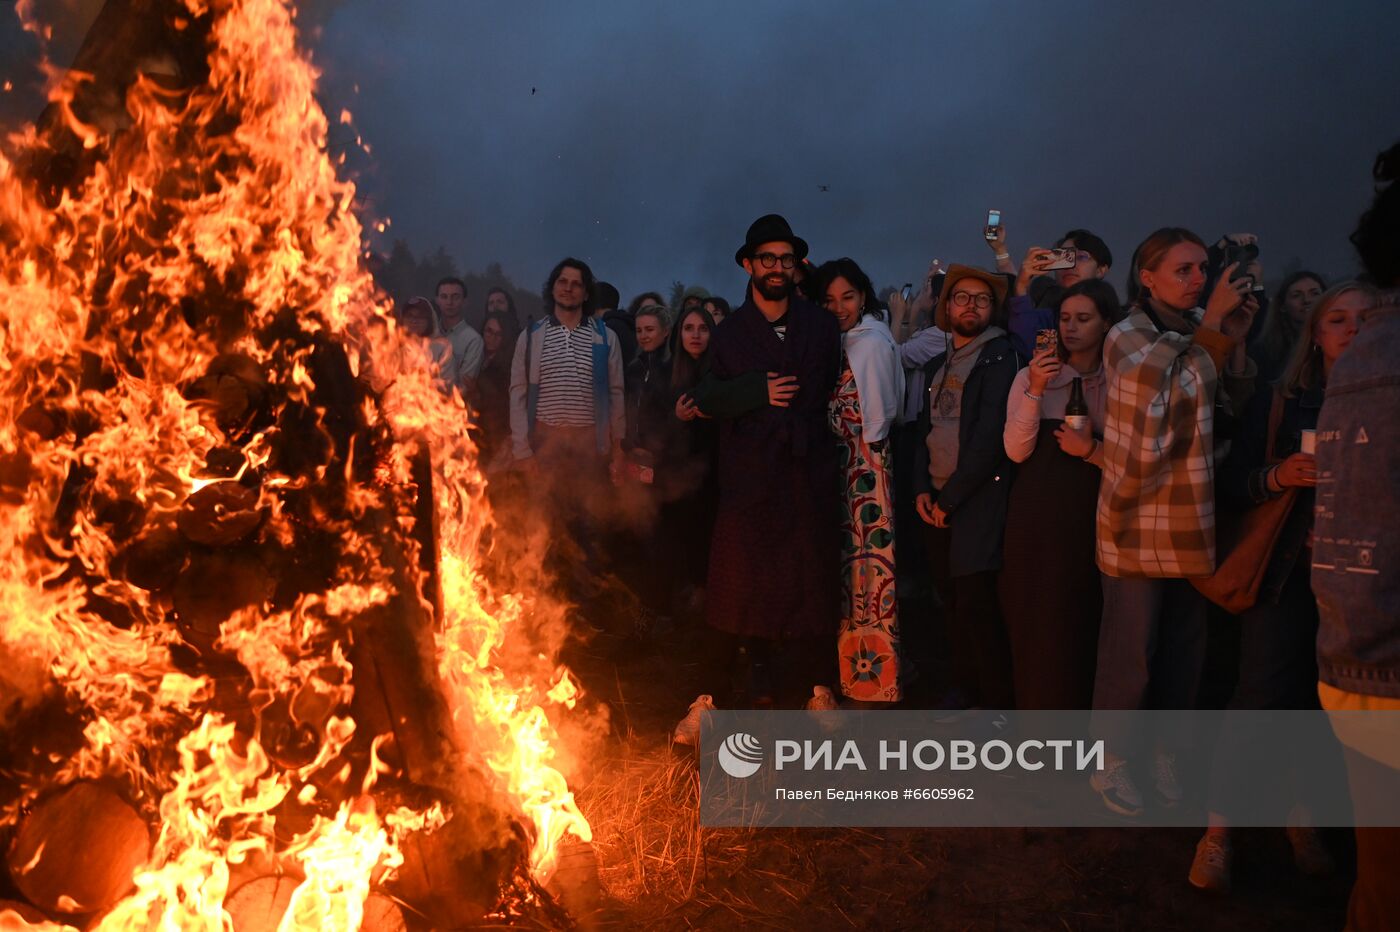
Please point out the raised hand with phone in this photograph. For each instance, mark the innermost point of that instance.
(910, 310)
(1226, 309)
(994, 232)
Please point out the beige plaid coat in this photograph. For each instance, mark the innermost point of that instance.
(1156, 514)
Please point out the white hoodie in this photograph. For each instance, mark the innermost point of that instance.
(879, 375)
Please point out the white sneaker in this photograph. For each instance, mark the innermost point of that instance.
(1210, 868)
(1164, 779)
(688, 729)
(822, 700)
(1120, 793)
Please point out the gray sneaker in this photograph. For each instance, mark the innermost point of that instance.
(1118, 789)
(687, 730)
(1210, 868)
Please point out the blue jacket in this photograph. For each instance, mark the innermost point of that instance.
(1356, 549)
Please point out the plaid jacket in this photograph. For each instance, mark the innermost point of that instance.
(1156, 514)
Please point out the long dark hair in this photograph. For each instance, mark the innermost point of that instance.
(685, 369)
(1104, 296)
(718, 302)
(1101, 293)
(847, 268)
(590, 284)
(1277, 336)
(510, 332)
(1149, 255)
(510, 302)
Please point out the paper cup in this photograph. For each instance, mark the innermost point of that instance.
(1309, 441)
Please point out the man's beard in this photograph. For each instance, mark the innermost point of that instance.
(971, 329)
(772, 292)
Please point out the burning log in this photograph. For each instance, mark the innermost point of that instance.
(154, 560)
(220, 514)
(194, 454)
(78, 849)
(214, 586)
(260, 904)
(13, 909)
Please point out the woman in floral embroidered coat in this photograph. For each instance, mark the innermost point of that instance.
(862, 412)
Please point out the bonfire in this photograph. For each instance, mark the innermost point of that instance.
(255, 671)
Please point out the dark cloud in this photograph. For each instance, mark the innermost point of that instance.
(657, 132)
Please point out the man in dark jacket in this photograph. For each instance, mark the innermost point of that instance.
(774, 570)
(963, 478)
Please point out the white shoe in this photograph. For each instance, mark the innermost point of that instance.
(822, 700)
(1118, 789)
(1164, 779)
(688, 729)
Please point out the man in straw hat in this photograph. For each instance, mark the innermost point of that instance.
(962, 478)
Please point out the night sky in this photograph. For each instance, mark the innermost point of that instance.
(645, 137)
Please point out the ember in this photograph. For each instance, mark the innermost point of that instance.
(227, 619)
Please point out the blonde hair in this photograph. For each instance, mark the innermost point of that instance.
(662, 315)
(1304, 369)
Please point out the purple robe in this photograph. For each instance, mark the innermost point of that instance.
(775, 554)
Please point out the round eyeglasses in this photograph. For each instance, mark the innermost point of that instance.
(768, 260)
(964, 298)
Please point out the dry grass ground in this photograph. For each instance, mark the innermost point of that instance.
(660, 869)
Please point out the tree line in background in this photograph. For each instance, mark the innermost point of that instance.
(403, 275)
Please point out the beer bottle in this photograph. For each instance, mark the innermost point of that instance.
(1077, 410)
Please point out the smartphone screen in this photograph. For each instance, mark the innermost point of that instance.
(993, 224)
(907, 290)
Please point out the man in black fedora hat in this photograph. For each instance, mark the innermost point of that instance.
(774, 571)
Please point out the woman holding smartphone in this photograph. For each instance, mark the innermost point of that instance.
(1049, 585)
(1175, 373)
(1278, 636)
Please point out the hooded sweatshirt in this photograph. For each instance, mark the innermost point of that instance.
(945, 405)
(874, 360)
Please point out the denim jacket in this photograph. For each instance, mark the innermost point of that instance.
(1356, 551)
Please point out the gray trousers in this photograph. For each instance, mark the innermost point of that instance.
(1152, 652)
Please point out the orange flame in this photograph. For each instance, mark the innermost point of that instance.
(224, 189)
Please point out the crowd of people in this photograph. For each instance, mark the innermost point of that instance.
(1059, 463)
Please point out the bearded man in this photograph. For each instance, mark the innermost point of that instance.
(774, 564)
(963, 479)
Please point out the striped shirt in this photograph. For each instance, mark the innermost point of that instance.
(566, 376)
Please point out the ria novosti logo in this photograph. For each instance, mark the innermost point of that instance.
(740, 755)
